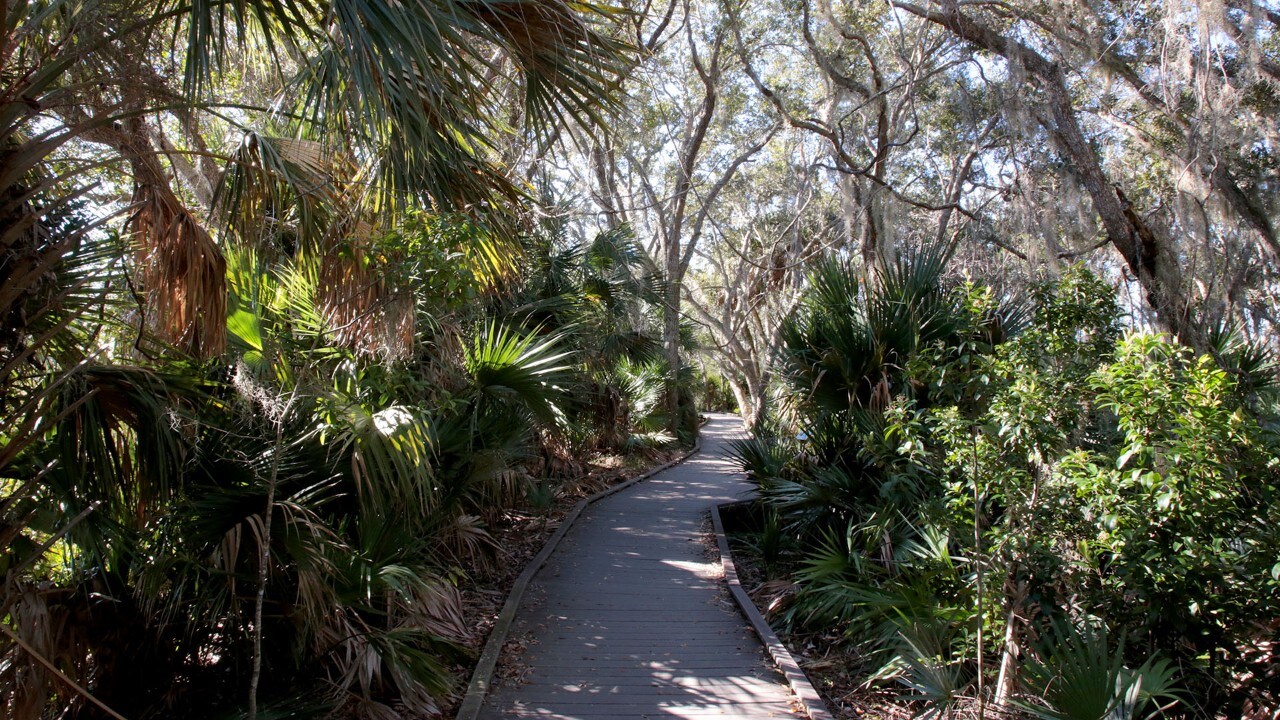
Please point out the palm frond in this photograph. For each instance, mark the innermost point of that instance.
(1254, 366)
(390, 456)
(933, 677)
(1081, 675)
(412, 81)
(282, 193)
(642, 386)
(526, 371)
(181, 269)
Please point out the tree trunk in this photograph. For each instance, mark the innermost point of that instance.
(1007, 678)
(747, 386)
(745, 407)
(671, 335)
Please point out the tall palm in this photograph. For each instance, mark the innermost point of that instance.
(400, 105)
(397, 104)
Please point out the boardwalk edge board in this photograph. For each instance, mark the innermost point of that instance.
(478, 688)
(808, 696)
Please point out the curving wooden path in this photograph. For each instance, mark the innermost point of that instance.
(628, 618)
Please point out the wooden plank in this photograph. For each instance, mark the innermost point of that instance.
(632, 620)
(808, 696)
(650, 651)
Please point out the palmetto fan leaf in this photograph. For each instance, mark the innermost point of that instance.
(1254, 366)
(826, 343)
(490, 255)
(526, 371)
(389, 454)
(928, 669)
(847, 343)
(641, 384)
(281, 189)
(1082, 676)
(118, 430)
(910, 307)
(565, 61)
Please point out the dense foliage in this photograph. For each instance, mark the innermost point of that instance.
(303, 506)
(291, 314)
(1014, 501)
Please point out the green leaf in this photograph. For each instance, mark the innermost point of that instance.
(243, 328)
(1126, 455)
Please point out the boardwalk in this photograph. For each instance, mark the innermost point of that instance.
(628, 619)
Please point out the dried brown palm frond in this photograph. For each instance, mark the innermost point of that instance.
(493, 483)
(181, 271)
(363, 313)
(465, 538)
(26, 684)
(316, 600)
(441, 357)
(583, 484)
(308, 154)
(561, 459)
(436, 606)
(385, 673)
(46, 626)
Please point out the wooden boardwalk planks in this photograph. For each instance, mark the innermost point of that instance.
(628, 619)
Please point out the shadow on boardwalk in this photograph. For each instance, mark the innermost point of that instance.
(628, 619)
